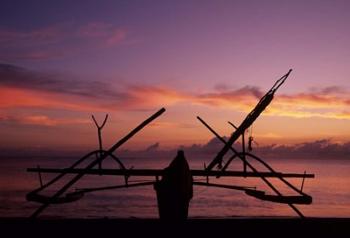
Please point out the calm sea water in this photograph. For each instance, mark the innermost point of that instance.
(330, 190)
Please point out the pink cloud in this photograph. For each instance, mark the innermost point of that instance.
(36, 89)
(116, 37)
(136, 98)
(45, 35)
(95, 29)
(107, 34)
(58, 40)
(42, 120)
(37, 55)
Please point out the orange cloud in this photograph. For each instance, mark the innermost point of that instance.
(326, 104)
(310, 100)
(23, 88)
(150, 96)
(43, 120)
(170, 125)
(299, 105)
(16, 97)
(241, 99)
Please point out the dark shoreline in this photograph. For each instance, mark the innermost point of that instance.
(235, 227)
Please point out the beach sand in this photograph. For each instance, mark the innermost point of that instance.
(236, 227)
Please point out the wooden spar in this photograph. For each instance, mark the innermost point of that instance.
(242, 188)
(95, 162)
(41, 180)
(160, 172)
(137, 129)
(303, 199)
(70, 197)
(300, 199)
(248, 121)
(88, 190)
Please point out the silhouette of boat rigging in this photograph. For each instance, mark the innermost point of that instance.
(168, 180)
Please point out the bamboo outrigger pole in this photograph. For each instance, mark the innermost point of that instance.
(160, 172)
(97, 161)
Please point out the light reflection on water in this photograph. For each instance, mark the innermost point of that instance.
(330, 190)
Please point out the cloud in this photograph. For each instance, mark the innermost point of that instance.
(323, 149)
(38, 44)
(45, 35)
(151, 96)
(330, 102)
(58, 40)
(37, 89)
(42, 120)
(167, 125)
(34, 55)
(106, 33)
(318, 149)
(22, 98)
(153, 147)
(329, 90)
(17, 77)
(40, 89)
(48, 90)
(241, 98)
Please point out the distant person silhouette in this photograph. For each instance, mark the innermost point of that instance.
(175, 190)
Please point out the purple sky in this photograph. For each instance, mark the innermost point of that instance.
(189, 42)
(176, 52)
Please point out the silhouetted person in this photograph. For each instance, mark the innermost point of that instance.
(175, 189)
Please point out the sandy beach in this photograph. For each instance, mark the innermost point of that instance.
(237, 227)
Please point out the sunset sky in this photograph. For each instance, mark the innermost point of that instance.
(62, 61)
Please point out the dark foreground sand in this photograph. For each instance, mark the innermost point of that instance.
(237, 227)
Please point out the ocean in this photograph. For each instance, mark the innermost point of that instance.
(330, 190)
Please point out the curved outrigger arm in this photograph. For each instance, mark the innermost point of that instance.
(303, 199)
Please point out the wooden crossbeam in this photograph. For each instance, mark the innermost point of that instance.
(160, 172)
